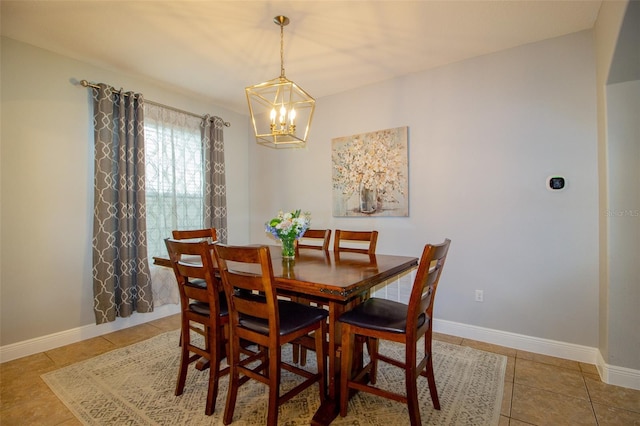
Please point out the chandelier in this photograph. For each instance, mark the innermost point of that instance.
(281, 111)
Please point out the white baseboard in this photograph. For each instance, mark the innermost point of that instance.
(612, 375)
(55, 340)
(619, 376)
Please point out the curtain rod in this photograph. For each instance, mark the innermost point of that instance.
(85, 83)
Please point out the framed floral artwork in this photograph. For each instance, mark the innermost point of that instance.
(370, 174)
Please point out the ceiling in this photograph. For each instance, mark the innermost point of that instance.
(217, 48)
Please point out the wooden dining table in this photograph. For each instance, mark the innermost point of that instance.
(337, 281)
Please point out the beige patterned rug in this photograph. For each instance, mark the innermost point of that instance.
(135, 385)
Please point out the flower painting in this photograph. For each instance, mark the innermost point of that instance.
(370, 174)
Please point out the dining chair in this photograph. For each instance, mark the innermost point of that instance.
(352, 241)
(344, 241)
(312, 239)
(376, 319)
(208, 234)
(319, 239)
(267, 321)
(204, 311)
(205, 234)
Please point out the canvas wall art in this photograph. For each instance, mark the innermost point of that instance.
(371, 174)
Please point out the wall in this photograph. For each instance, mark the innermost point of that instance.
(623, 216)
(47, 188)
(484, 134)
(617, 35)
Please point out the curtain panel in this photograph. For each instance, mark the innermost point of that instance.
(121, 277)
(215, 192)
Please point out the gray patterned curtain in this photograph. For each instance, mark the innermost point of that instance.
(121, 278)
(215, 192)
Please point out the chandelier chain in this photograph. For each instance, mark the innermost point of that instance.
(281, 50)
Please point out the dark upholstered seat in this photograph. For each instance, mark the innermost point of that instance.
(376, 319)
(293, 317)
(380, 314)
(202, 311)
(257, 315)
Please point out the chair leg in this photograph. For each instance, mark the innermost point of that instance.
(295, 350)
(372, 347)
(184, 362)
(274, 386)
(432, 384)
(412, 397)
(321, 361)
(348, 341)
(214, 372)
(303, 356)
(234, 381)
(431, 379)
(411, 376)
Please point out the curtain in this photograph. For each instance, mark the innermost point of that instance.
(121, 277)
(185, 183)
(215, 193)
(175, 180)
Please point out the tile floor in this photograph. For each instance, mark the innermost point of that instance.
(539, 390)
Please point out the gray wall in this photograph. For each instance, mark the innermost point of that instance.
(623, 217)
(617, 36)
(484, 134)
(47, 186)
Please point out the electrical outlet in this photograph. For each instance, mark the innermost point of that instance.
(479, 296)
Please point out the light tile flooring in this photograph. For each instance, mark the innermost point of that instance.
(539, 390)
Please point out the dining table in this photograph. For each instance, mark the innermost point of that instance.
(337, 281)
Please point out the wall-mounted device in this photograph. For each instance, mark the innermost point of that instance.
(556, 183)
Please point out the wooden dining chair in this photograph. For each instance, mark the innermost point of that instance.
(344, 241)
(312, 239)
(268, 322)
(208, 234)
(353, 241)
(376, 319)
(203, 310)
(315, 239)
(205, 234)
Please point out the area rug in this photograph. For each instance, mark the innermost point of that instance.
(135, 386)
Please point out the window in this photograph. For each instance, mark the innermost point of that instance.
(174, 174)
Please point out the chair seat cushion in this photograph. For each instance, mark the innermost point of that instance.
(202, 308)
(293, 317)
(380, 314)
(197, 283)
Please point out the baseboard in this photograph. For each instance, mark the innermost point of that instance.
(619, 376)
(612, 375)
(74, 335)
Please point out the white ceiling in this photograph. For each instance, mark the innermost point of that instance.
(217, 48)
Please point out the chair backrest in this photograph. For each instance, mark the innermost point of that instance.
(196, 234)
(425, 284)
(194, 273)
(322, 236)
(358, 237)
(254, 274)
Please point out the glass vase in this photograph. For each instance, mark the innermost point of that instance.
(288, 248)
(368, 199)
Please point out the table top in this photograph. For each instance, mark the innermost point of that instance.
(336, 276)
(329, 275)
